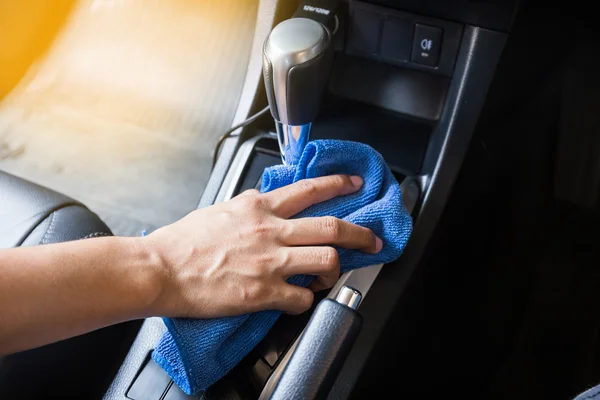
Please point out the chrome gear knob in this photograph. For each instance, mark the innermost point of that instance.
(297, 59)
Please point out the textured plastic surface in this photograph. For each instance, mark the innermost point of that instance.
(147, 337)
(150, 384)
(320, 353)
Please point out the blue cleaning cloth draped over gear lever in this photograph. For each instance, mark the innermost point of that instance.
(198, 352)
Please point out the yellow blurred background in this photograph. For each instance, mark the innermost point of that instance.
(119, 103)
(27, 29)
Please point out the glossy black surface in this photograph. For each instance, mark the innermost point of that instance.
(480, 52)
(386, 35)
(401, 141)
(498, 15)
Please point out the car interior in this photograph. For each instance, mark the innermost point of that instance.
(118, 117)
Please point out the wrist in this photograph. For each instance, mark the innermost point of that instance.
(149, 275)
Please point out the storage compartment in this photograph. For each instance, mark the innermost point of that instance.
(400, 139)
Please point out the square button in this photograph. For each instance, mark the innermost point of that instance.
(427, 44)
(396, 39)
(364, 36)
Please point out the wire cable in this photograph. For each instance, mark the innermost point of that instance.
(336, 26)
(227, 134)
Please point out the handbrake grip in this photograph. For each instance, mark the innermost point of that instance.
(322, 348)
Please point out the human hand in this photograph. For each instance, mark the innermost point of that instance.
(234, 257)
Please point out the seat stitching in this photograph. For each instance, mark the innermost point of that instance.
(95, 235)
(50, 228)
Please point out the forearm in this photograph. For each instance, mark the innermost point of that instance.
(51, 292)
(229, 259)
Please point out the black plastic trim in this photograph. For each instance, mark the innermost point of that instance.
(321, 350)
(480, 52)
(305, 86)
(450, 43)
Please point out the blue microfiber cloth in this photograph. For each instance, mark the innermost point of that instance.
(198, 352)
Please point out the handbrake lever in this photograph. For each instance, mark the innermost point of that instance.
(312, 364)
(318, 357)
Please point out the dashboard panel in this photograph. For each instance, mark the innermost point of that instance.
(490, 14)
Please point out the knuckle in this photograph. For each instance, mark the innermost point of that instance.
(308, 187)
(260, 228)
(341, 180)
(332, 228)
(258, 225)
(330, 259)
(285, 259)
(253, 202)
(370, 237)
(287, 230)
(366, 235)
(245, 293)
(253, 292)
(266, 258)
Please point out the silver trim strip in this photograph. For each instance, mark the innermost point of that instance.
(292, 141)
(349, 297)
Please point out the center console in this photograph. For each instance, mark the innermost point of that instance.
(408, 78)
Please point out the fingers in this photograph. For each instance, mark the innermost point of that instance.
(290, 200)
(323, 262)
(317, 286)
(294, 299)
(331, 231)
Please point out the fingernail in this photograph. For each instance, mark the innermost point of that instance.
(357, 181)
(378, 244)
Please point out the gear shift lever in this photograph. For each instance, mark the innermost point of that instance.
(297, 58)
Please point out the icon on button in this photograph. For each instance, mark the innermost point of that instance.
(426, 44)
